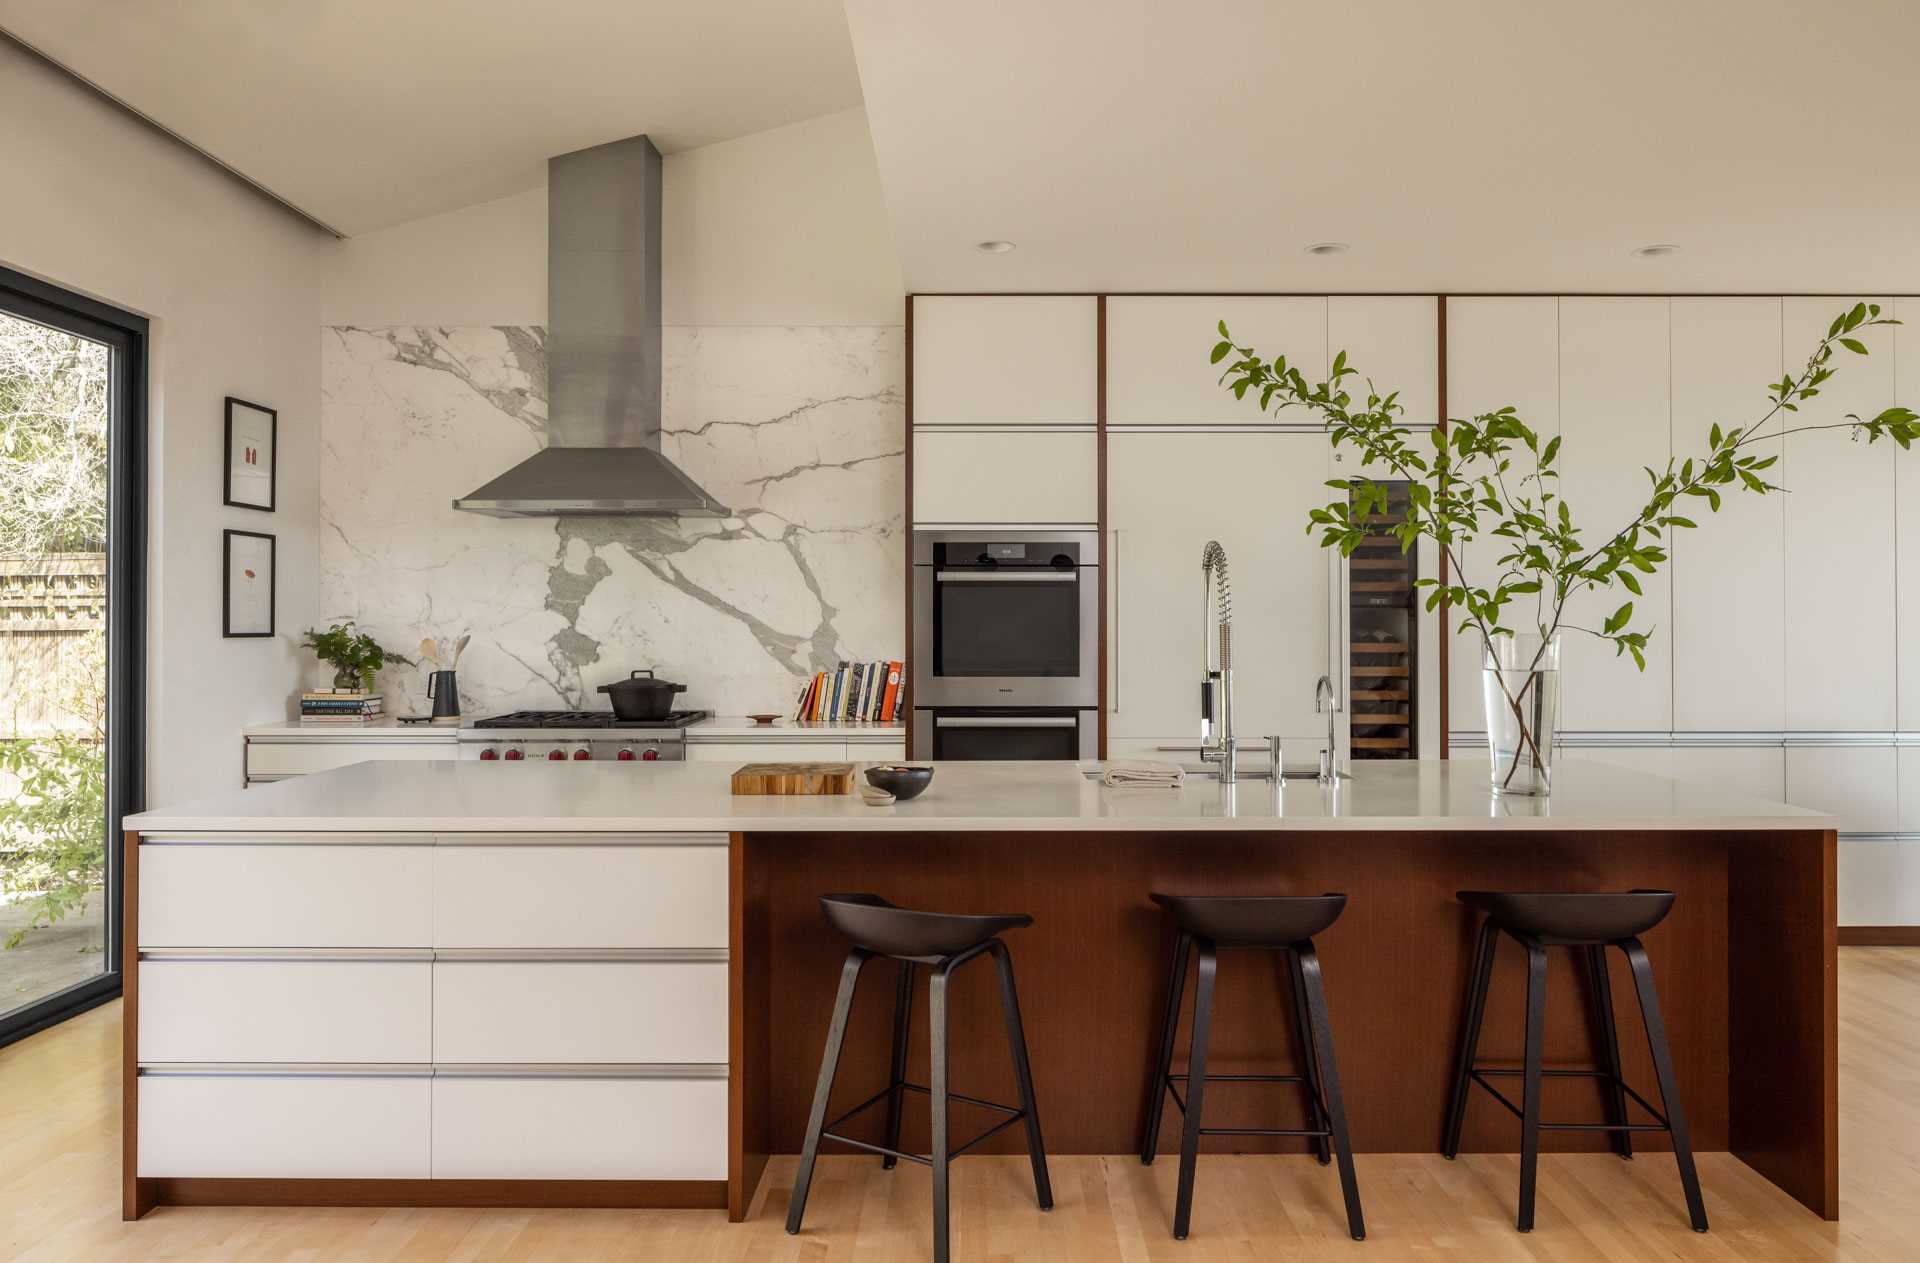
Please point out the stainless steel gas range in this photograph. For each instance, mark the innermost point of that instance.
(577, 736)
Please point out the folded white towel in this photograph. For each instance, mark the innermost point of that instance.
(1144, 772)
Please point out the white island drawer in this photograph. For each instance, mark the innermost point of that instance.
(205, 893)
(580, 1011)
(628, 893)
(542, 1128)
(286, 1010)
(286, 1126)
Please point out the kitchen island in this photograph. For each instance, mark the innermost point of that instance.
(451, 983)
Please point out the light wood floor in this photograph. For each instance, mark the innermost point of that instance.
(59, 1191)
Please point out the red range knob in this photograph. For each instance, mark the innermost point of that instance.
(651, 755)
(556, 756)
(581, 754)
(514, 755)
(489, 753)
(625, 756)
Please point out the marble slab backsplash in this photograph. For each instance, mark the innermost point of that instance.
(799, 430)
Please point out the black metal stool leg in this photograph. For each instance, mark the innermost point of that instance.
(1163, 1066)
(1609, 1039)
(1470, 1037)
(1309, 1058)
(1307, 962)
(1196, 1088)
(1663, 1072)
(937, 1041)
(902, 1026)
(1530, 1101)
(1023, 1071)
(823, 1091)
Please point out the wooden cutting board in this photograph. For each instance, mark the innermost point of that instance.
(794, 778)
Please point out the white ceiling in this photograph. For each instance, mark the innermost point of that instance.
(366, 113)
(1501, 144)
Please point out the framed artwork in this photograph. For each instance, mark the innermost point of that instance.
(253, 455)
(246, 585)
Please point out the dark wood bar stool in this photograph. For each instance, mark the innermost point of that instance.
(1283, 924)
(1588, 923)
(943, 943)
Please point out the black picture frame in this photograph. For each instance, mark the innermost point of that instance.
(226, 584)
(273, 465)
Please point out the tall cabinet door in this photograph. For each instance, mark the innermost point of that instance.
(1500, 351)
(1615, 410)
(1729, 666)
(1839, 571)
(1167, 495)
(1906, 370)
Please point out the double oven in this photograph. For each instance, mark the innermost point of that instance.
(1006, 629)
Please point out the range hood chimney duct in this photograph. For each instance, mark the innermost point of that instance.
(603, 350)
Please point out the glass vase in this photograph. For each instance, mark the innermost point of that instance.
(1520, 683)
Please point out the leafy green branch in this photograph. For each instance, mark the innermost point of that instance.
(1493, 477)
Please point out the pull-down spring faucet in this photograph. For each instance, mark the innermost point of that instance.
(1216, 685)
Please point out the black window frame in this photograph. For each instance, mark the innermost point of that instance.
(33, 299)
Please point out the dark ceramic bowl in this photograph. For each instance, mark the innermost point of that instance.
(901, 780)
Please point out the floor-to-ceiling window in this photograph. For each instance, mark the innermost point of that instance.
(72, 540)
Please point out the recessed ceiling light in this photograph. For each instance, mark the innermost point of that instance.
(1328, 247)
(993, 247)
(1658, 250)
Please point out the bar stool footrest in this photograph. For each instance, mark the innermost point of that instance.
(1013, 1116)
(1479, 1075)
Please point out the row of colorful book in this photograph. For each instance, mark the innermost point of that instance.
(851, 692)
(339, 706)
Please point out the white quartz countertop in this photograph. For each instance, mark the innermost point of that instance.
(1427, 795)
(719, 726)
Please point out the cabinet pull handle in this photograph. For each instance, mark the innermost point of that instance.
(1116, 620)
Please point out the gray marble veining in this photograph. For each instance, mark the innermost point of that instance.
(800, 430)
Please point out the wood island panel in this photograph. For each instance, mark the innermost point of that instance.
(1745, 966)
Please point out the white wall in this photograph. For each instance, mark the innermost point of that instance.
(783, 381)
(781, 228)
(102, 204)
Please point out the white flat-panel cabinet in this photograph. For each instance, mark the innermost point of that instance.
(1159, 368)
(555, 1128)
(1840, 516)
(286, 1126)
(738, 752)
(1006, 358)
(203, 892)
(581, 1011)
(1858, 784)
(621, 893)
(965, 477)
(1167, 495)
(1757, 771)
(1729, 667)
(1614, 407)
(1906, 374)
(1394, 341)
(268, 1010)
(270, 758)
(1500, 352)
(1879, 881)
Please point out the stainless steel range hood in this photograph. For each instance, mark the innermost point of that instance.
(603, 350)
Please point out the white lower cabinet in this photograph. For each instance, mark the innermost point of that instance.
(625, 892)
(271, 759)
(518, 1127)
(738, 752)
(203, 891)
(285, 1010)
(1879, 881)
(576, 1012)
(286, 1126)
(1858, 784)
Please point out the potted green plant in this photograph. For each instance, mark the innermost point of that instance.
(1494, 477)
(356, 657)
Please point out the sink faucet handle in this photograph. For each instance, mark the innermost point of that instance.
(1323, 698)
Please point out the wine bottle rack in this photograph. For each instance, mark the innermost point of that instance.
(1383, 652)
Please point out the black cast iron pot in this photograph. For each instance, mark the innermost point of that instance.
(640, 696)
